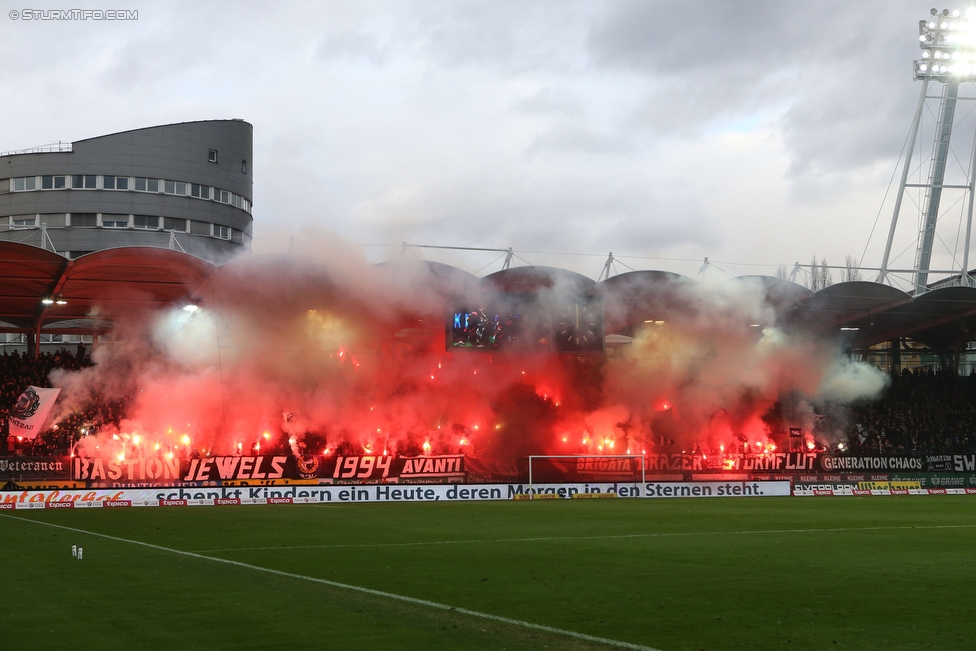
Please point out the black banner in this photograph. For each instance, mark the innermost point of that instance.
(34, 468)
(359, 469)
(260, 469)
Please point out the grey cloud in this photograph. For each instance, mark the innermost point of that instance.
(550, 101)
(353, 45)
(580, 139)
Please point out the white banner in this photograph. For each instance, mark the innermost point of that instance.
(315, 494)
(28, 415)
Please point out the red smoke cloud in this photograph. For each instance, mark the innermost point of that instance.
(333, 353)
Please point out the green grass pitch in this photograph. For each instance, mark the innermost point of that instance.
(770, 573)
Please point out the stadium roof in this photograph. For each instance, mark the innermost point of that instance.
(83, 295)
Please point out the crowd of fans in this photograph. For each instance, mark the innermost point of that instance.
(17, 372)
(920, 413)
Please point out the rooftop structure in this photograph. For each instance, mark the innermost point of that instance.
(185, 186)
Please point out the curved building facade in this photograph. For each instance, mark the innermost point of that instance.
(185, 186)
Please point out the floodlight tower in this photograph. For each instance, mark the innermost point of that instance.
(948, 44)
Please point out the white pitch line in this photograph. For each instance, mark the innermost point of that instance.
(356, 588)
(570, 538)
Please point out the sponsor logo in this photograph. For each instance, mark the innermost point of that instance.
(821, 491)
(227, 501)
(889, 485)
(5, 506)
(116, 504)
(59, 505)
(172, 502)
(280, 500)
(858, 491)
(949, 481)
(899, 491)
(937, 491)
(834, 488)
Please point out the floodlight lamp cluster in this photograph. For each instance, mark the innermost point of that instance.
(948, 44)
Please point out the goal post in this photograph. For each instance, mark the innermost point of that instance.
(598, 460)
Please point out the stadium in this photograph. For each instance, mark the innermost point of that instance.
(415, 456)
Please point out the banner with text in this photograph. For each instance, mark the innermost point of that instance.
(232, 496)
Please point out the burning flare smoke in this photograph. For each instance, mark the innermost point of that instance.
(337, 354)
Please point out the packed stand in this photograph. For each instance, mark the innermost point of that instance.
(921, 413)
(17, 372)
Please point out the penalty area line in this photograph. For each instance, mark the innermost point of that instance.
(346, 586)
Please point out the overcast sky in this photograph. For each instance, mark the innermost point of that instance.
(755, 133)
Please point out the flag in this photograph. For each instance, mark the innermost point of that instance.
(28, 415)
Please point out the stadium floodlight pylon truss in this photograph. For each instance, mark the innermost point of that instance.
(947, 41)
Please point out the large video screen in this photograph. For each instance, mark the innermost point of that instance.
(483, 328)
(570, 325)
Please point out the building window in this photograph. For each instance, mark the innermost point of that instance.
(200, 191)
(83, 220)
(108, 182)
(148, 222)
(180, 188)
(115, 221)
(171, 224)
(221, 232)
(244, 165)
(52, 182)
(212, 155)
(147, 185)
(23, 221)
(25, 183)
